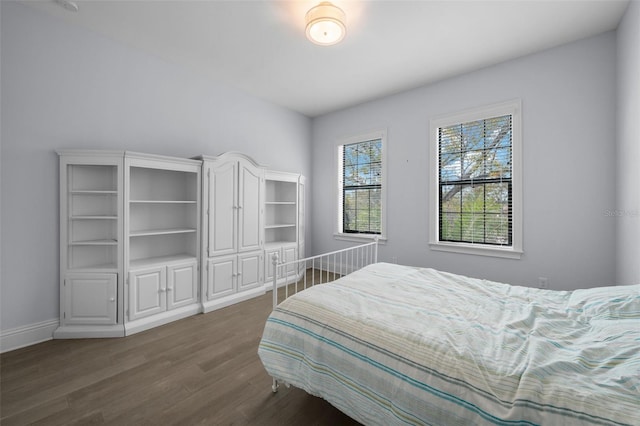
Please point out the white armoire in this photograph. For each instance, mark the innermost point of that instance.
(233, 226)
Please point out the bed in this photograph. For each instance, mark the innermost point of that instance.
(390, 344)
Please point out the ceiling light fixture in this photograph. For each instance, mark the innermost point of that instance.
(325, 24)
(71, 6)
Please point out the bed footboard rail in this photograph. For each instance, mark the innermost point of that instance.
(294, 276)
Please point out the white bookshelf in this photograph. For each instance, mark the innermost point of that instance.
(91, 244)
(162, 239)
(281, 209)
(92, 232)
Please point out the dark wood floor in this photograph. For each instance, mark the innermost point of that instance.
(201, 370)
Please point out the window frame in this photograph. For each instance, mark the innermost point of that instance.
(513, 108)
(338, 174)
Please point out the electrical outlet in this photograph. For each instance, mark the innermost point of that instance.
(394, 259)
(543, 282)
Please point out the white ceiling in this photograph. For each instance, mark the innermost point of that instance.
(391, 46)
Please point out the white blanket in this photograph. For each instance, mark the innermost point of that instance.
(391, 344)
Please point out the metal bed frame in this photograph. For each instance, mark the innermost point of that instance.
(298, 275)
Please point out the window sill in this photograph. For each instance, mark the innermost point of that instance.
(361, 238)
(477, 249)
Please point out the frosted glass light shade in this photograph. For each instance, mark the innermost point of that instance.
(325, 24)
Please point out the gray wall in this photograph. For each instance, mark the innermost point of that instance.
(627, 216)
(66, 87)
(568, 101)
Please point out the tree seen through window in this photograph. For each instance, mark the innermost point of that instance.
(475, 181)
(362, 187)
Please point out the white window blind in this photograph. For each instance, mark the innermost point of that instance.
(475, 170)
(475, 165)
(362, 187)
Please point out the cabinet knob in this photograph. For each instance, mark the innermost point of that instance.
(162, 290)
(113, 299)
(169, 289)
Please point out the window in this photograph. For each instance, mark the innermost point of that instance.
(476, 190)
(361, 186)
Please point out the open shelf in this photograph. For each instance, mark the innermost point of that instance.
(163, 231)
(160, 260)
(162, 213)
(92, 256)
(277, 191)
(92, 215)
(281, 211)
(145, 247)
(159, 217)
(92, 192)
(162, 185)
(276, 244)
(163, 202)
(283, 225)
(90, 178)
(280, 233)
(93, 228)
(94, 243)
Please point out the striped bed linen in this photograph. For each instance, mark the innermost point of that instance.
(392, 344)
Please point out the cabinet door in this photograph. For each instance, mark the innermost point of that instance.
(290, 254)
(90, 299)
(147, 292)
(249, 270)
(250, 208)
(223, 208)
(221, 274)
(182, 285)
(268, 263)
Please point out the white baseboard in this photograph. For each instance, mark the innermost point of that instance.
(89, 331)
(27, 335)
(232, 299)
(166, 317)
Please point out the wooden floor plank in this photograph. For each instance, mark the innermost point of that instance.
(48, 407)
(200, 370)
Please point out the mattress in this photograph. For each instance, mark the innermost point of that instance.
(392, 344)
